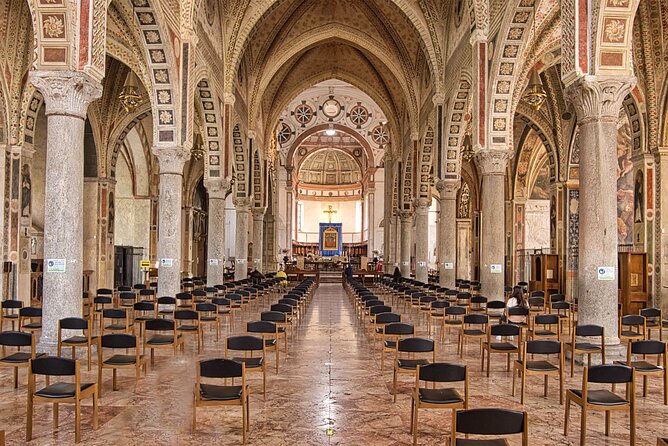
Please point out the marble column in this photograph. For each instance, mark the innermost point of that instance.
(171, 160)
(597, 101)
(67, 96)
(406, 218)
(662, 173)
(215, 268)
(258, 237)
(389, 258)
(242, 206)
(492, 163)
(422, 240)
(371, 225)
(447, 232)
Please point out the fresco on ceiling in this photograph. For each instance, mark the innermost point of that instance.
(625, 183)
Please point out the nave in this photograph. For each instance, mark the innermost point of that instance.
(329, 390)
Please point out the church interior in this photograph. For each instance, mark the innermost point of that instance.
(309, 222)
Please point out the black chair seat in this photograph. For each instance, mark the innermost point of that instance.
(115, 327)
(437, 314)
(281, 329)
(120, 360)
(251, 363)
(440, 396)
(219, 393)
(270, 342)
(601, 397)
(188, 328)
(503, 346)
(166, 311)
(10, 316)
(630, 334)
(541, 366)
(474, 332)
(544, 333)
(587, 346)
(160, 340)
(411, 364)
(76, 340)
(453, 322)
(491, 442)
(643, 366)
(380, 330)
(61, 390)
(390, 344)
(652, 324)
(32, 326)
(207, 318)
(223, 311)
(19, 357)
(143, 318)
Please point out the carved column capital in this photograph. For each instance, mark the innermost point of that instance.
(217, 188)
(242, 204)
(66, 92)
(422, 204)
(171, 159)
(599, 97)
(438, 99)
(229, 99)
(405, 216)
(258, 213)
(492, 162)
(448, 189)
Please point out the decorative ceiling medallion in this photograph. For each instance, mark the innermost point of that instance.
(303, 114)
(380, 135)
(331, 108)
(359, 115)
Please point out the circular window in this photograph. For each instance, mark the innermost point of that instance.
(331, 108)
(303, 114)
(284, 134)
(380, 135)
(359, 115)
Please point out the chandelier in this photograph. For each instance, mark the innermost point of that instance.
(129, 96)
(534, 95)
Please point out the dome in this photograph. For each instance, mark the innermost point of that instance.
(330, 167)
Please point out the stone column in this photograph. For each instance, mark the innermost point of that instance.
(422, 240)
(389, 257)
(662, 172)
(597, 101)
(492, 163)
(258, 237)
(371, 224)
(447, 232)
(215, 268)
(242, 206)
(67, 96)
(405, 255)
(171, 160)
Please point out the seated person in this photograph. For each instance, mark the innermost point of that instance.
(517, 299)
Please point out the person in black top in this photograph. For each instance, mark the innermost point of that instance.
(349, 271)
(256, 276)
(397, 274)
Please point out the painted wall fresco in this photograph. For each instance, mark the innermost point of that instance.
(625, 181)
(541, 188)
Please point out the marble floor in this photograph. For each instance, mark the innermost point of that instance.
(329, 391)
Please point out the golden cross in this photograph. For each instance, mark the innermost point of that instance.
(330, 211)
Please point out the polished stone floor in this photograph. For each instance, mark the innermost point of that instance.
(329, 383)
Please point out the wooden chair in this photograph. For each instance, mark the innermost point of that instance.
(188, 323)
(83, 340)
(250, 345)
(269, 333)
(142, 311)
(488, 422)
(30, 319)
(184, 300)
(17, 359)
(161, 333)
(59, 392)
(653, 319)
(115, 362)
(279, 319)
(437, 316)
(10, 312)
(603, 400)
(503, 346)
(392, 332)
(379, 323)
(586, 348)
(632, 327)
(208, 315)
(545, 368)
(438, 398)
(166, 305)
(405, 358)
(473, 326)
(545, 326)
(645, 368)
(127, 299)
(208, 395)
